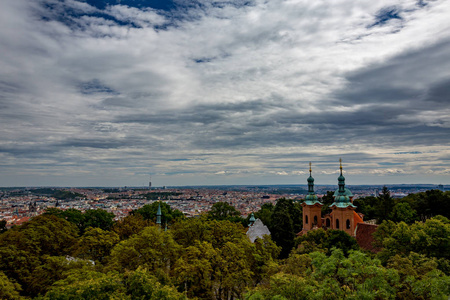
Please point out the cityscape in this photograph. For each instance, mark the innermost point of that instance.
(19, 204)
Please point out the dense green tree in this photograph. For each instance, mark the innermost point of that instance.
(9, 289)
(265, 214)
(431, 238)
(327, 200)
(385, 205)
(3, 226)
(152, 248)
(325, 241)
(95, 244)
(45, 234)
(366, 206)
(148, 212)
(139, 284)
(402, 212)
(223, 211)
(286, 223)
(91, 218)
(430, 203)
(130, 225)
(331, 277)
(98, 218)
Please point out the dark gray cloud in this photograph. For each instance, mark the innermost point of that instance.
(228, 91)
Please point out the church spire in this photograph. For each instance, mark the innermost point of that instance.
(341, 179)
(158, 214)
(311, 198)
(310, 181)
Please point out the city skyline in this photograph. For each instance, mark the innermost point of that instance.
(109, 93)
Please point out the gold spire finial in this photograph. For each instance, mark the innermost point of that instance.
(340, 164)
(310, 168)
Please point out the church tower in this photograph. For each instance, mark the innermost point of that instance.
(342, 210)
(312, 207)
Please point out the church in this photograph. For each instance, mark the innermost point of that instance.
(342, 217)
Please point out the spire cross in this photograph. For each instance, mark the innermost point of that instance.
(340, 164)
(310, 169)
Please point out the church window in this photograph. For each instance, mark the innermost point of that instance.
(337, 224)
(348, 223)
(328, 223)
(315, 219)
(306, 219)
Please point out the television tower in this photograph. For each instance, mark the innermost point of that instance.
(150, 183)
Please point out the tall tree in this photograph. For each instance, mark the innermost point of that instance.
(384, 206)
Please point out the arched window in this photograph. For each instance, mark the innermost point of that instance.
(337, 224)
(347, 223)
(328, 222)
(315, 220)
(306, 219)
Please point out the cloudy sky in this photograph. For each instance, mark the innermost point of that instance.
(107, 93)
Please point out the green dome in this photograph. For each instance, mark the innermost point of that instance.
(310, 179)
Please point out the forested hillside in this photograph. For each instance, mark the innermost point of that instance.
(74, 255)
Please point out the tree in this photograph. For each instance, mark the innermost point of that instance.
(138, 284)
(95, 244)
(152, 248)
(265, 214)
(286, 223)
(148, 212)
(367, 206)
(98, 218)
(402, 212)
(325, 241)
(223, 211)
(9, 289)
(3, 226)
(384, 206)
(130, 225)
(327, 200)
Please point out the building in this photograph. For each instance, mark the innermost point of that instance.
(342, 216)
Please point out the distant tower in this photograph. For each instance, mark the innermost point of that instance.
(312, 207)
(158, 215)
(150, 183)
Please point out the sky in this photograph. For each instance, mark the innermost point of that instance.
(111, 93)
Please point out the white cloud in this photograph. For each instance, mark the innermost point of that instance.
(234, 84)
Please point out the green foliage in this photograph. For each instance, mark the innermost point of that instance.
(223, 211)
(56, 193)
(152, 248)
(431, 238)
(384, 205)
(130, 225)
(265, 214)
(430, 203)
(402, 212)
(285, 224)
(327, 200)
(366, 206)
(95, 244)
(160, 195)
(3, 226)
(97, 218)
(139, 284)
(148, 212)
(325, 240)
(43, 234)
(9, 289)
(330, 277)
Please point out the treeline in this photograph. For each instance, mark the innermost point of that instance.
(414, 207)
(74, 255)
